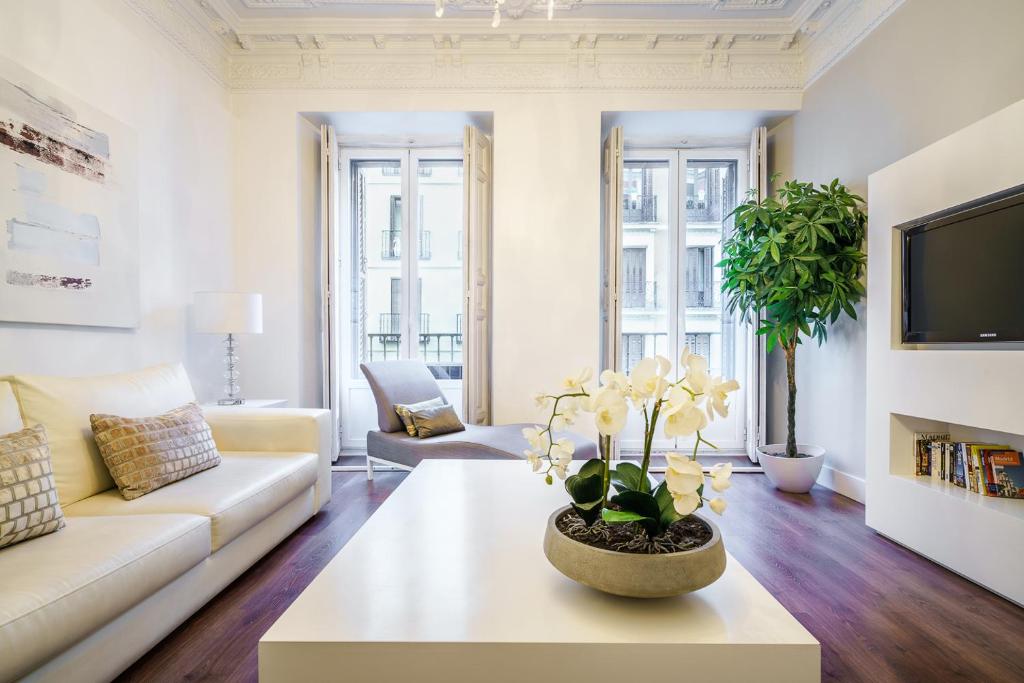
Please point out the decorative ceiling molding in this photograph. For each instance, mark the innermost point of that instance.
(720, 54)
(192, 30)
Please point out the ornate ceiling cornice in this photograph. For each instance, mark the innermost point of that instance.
(719, 54)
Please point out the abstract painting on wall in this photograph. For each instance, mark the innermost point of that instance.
(69, 244)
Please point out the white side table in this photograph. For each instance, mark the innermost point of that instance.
(253, 403)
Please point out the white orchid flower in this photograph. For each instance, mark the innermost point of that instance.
(683, 415)
(533, 459)
(562, 450)
(538, 438)
(615, 380)
(561, 471)
(683, 474)
(685, 504)
(718, 505)
(696, 370)
(542, 400)
(610, 411)
(648, 377)
(720, 474)
(717, 391)
(574, 382)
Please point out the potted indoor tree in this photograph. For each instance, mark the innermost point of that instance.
(793, 265)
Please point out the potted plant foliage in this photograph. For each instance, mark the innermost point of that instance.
(793, 264)
(624, 533)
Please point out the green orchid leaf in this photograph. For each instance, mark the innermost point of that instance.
(667, 510)
(629, 477)
(644, 506)
(587, 490)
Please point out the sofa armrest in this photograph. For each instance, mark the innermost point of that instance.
(277, 429)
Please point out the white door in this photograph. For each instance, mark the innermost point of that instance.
(675, 206)
(402, 282)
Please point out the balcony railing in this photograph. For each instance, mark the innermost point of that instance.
(391, 245)
(638, 345)
(640, 209)
(640, 295)
(390, 324)
(441, 351)
(709, 297)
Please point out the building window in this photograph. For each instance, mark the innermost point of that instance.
(634, 277)
(700, 264)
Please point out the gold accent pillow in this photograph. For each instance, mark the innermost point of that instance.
(405, 411)
(28, 497)
(436, 420)
(146, 453)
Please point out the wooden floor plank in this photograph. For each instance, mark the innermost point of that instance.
(881, 612)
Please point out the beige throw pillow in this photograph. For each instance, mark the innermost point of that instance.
(405, 411)
(28, 496)
(146, 453)
(436, 420)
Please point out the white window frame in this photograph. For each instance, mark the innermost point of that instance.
(677, 221)
(350, 375)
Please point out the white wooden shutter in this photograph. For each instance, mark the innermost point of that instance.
(476, 251)
(329, 279)
(756, 361)
(611, 266)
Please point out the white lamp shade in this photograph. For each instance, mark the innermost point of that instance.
(229, 312)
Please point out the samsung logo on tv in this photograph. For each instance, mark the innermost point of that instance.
(988, 334)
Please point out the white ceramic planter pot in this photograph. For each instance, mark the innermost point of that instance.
(794, 475)
(635, 575)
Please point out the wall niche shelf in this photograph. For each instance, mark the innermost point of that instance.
(940, 389)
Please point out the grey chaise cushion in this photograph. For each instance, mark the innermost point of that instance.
(398, 381)
(476, 442)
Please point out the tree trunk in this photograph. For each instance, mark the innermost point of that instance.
(790, 350)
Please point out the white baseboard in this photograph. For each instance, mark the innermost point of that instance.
(843, 483)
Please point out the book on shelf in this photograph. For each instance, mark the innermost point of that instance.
(995, 470)
(922, 450)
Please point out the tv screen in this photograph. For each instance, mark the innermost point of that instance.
(963, 272)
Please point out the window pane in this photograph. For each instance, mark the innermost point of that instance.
(377, 236)
(646, 259)
(439, 262)
(710, 197)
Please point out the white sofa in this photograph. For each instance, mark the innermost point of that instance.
(85, 602)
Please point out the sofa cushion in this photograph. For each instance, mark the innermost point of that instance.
(146, 453)
(244, 490)
(28, 498)
(63, 406)
(57, 589)
(10, 415)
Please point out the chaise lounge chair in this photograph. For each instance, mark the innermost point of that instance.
(409, 381)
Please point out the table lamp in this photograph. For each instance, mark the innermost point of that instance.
(229, 313)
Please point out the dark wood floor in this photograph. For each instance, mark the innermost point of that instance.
(881, 612)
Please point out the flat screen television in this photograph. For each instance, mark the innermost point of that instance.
(963, 272)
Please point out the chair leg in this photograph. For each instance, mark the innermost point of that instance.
(369, 469)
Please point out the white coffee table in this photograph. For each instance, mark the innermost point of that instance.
(448, 582)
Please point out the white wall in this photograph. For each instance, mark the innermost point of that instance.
(546, 226)
(971, 392)
(931, 68)
(107, 55)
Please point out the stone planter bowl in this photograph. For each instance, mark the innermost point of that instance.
(635, 575)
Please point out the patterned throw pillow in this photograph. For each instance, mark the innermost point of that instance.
(28, 497)
(405, 411)
(436, 421)
(146, 453)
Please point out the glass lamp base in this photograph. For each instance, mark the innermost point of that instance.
(231, 402)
